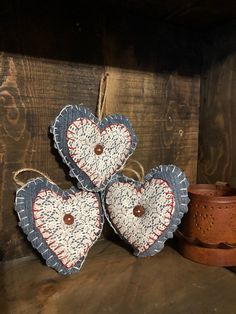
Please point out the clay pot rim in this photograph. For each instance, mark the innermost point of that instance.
(210, 244)
(193, 188)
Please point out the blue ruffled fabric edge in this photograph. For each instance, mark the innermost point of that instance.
(178, 182)
(23, 206)
(59, 127)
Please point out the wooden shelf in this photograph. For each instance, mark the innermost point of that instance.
(114, 281)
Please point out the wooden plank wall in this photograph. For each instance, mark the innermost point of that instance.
(156, 86)
(217, 140)
(32, 92)
(164, 111)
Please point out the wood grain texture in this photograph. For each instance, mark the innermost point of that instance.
(32, 93)
(114, 281)
(155, 82)
(164, 112)
(217, 142)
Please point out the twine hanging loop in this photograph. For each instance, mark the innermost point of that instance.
(21, 183)
(102, 95)
(129, 168)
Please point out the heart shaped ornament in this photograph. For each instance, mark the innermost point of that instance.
(61, 225)
(146, 214)
(93, 150)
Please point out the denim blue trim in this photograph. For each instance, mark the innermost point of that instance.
(178, 182)
(59, 128)
(23, 206)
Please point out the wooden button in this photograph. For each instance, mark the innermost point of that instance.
(138, 211)
(98, 149)
(68, 219)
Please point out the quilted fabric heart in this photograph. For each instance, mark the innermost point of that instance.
(61, 225)
(93, 150)
(147, 214)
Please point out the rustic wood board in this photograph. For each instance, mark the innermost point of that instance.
(217, 141)
(164, 111)
(32, 92)
(114, 281)
(200, 15)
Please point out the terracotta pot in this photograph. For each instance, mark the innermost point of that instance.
(208, 231)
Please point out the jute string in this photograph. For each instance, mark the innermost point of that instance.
(129, 168)
(102, 95)
(21, 183)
